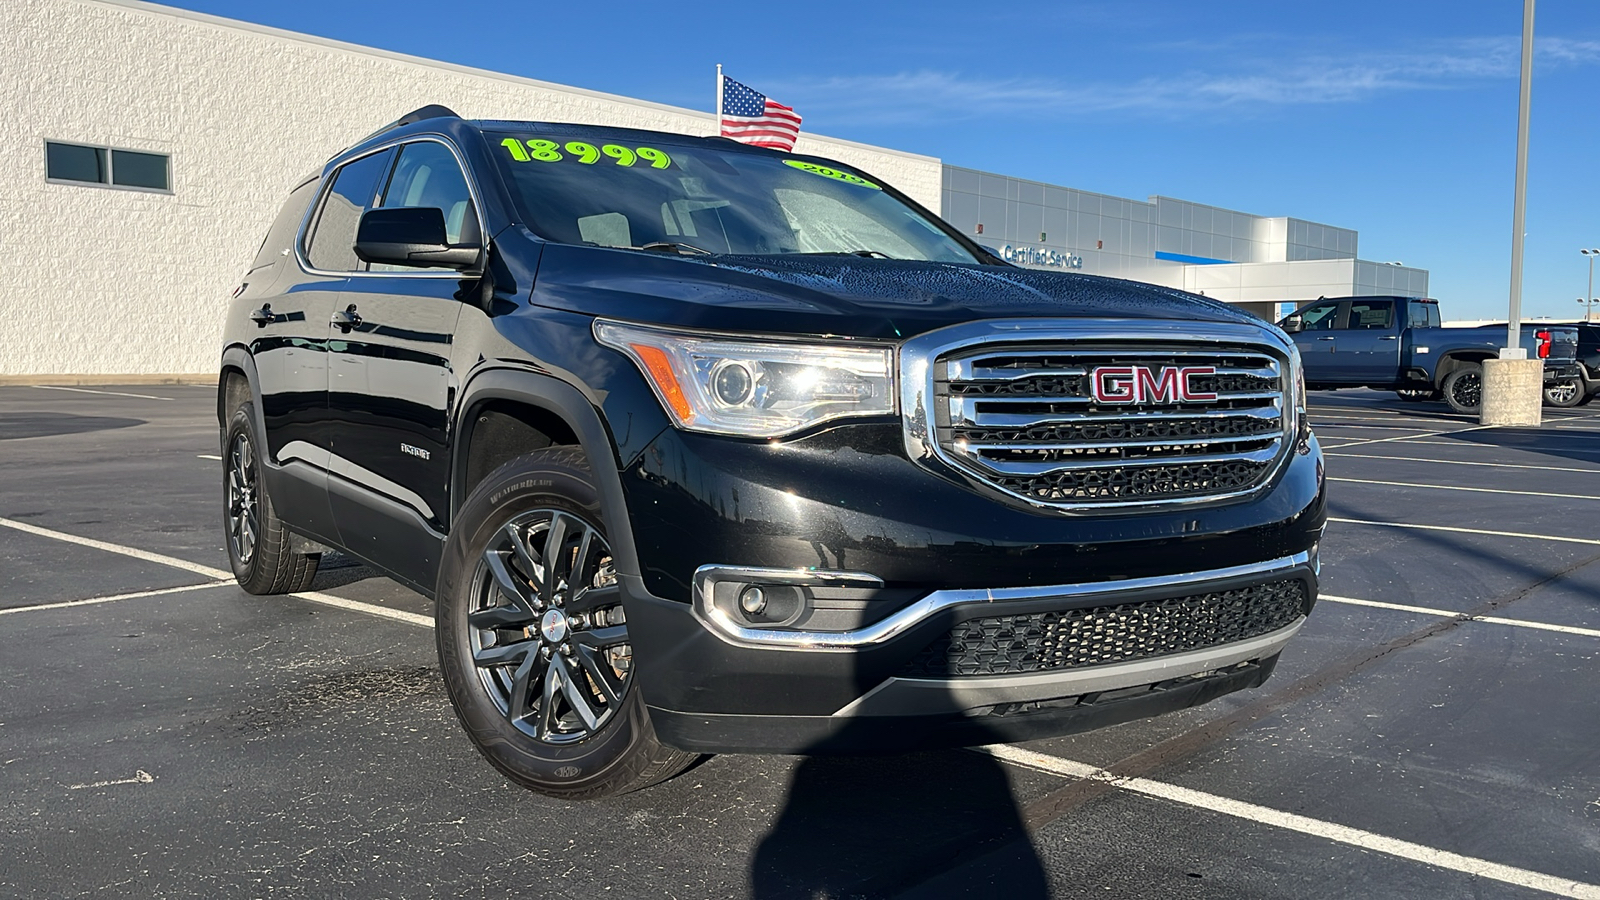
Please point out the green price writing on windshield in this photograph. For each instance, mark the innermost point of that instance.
(826, 172)
(588, 154)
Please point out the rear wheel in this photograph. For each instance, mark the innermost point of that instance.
(1564, 394)
(533, 639)
(260, 548)
(1463, 388)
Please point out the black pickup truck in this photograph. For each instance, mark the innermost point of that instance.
(1397, 344)
(702, 447)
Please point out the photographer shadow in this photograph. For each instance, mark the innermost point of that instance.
(937, 823)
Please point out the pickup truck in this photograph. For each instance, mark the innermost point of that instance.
(1397, 344)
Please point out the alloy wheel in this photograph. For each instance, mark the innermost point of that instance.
(547, 630)
(1562, 392)
(1468, 389)
(244, 522)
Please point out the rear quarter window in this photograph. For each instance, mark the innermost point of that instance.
(279, 242)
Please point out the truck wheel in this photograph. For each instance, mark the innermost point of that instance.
(533, 640)
(1463, 388)
(1564, 394)
(259, 548)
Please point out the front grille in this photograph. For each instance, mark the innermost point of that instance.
(1100, 635)
(1024, 418)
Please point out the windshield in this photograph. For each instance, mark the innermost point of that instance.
(692, 199)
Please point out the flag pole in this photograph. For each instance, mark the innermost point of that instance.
(719, 99)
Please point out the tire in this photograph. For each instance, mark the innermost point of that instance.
(540, 673)
(1564, 394)
(1463, 388)
(260, 548)
(1586, 400)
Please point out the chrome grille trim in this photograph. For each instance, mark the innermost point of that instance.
(1041, 422)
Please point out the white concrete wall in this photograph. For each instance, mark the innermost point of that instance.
(122, 282)
(1302, 280)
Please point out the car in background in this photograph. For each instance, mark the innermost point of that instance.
(1579, 391)
(1398, 344)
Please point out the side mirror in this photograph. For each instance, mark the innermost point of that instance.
(1290, 325)
(411, 236)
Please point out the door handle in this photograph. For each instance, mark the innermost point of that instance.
(347, 318)
(1325, 339)
(1389, 337)
(263, 316)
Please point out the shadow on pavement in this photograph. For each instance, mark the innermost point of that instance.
(15, 426)
(936, 824)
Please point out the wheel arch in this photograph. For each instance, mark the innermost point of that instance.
(507, 412)
(237, 380)
(1452, 361)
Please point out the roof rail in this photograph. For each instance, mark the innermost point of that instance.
(431, 111)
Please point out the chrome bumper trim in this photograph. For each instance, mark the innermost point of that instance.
(724, 626)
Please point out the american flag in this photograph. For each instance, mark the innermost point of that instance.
(752, 118)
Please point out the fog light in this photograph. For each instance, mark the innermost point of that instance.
(753, 600)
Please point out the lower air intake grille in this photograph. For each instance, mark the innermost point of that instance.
(1096, 636)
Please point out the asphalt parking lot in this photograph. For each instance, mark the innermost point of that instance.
(1434, 731)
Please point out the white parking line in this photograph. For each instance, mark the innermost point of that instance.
(147, 556)
(1342, 834)
(1564, 451)
(1449, 487)
(1462, 462)
(90, 601)
(1409, 437)
(1438, 420)
(218, 575)
(56, 387)
(1513, 534)
(1448, 614)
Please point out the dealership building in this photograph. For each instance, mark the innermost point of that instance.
(146, 149)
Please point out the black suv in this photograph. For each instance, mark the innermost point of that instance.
(701, 447)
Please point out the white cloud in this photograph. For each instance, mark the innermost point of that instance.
(1306, 80)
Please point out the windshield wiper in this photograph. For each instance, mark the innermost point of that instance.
(869, 254)
(673, 247)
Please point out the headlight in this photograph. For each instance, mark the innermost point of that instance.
(1300, 411)
(730, 385)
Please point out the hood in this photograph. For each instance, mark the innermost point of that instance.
(839, 295)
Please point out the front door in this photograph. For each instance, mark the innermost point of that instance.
(391, 385)
(1316, 339)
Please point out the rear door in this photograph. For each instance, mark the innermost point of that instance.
(1367, 349)
(290, 346)
(1316, 340)
(392, 388)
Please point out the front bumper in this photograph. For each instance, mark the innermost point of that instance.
(891, 558)
(715, 686)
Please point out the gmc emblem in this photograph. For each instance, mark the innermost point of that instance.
(1141, 384)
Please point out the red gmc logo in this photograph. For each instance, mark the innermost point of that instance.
(1141, 384)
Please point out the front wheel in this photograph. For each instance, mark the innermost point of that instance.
(533, 638)
(1564, 394)
(1463, 388)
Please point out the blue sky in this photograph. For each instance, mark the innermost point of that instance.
(1394, 118)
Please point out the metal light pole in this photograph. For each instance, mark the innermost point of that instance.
(1519, 213)
(1588, 297)
(1511, 392)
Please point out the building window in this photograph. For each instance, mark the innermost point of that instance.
(107, 166)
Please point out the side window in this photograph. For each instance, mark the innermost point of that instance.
(1424, 315)
(331, 242)
(427, 174)
(1319, 318)
(1372, 314)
